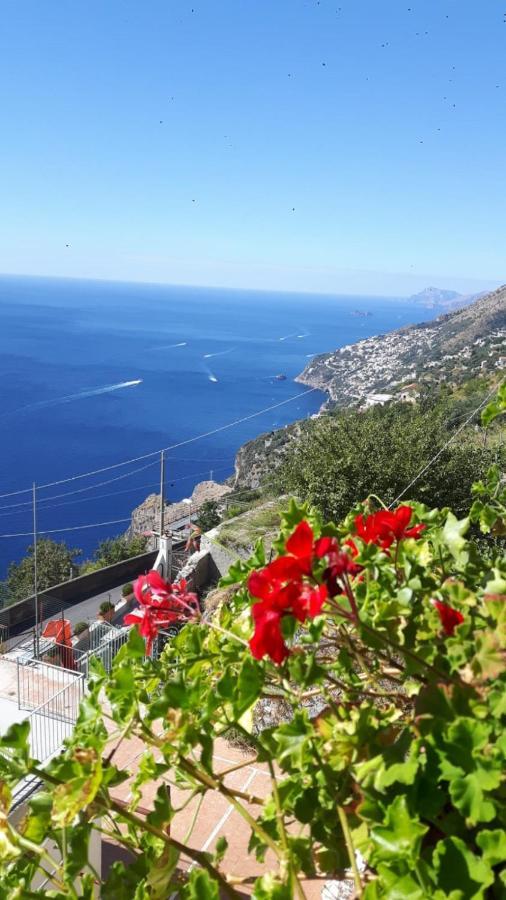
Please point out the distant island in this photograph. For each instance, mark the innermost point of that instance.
(439, 298)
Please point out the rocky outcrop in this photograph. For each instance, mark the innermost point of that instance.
(146, 517)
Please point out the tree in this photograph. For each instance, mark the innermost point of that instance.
(341, 459)
(115, 550)
(54, 565)
(208, 516)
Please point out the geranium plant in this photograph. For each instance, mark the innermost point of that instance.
(396, 624)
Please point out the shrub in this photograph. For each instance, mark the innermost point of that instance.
(208, 516)
(106, 607)
(79, 627)
(127, 589)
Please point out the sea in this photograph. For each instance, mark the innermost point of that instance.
(94, 374)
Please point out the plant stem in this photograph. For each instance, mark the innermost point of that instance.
(351, 850)
(196, 855)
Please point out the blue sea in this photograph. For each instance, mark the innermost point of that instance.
(95, 373)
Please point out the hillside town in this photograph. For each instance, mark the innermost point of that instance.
(394, 365)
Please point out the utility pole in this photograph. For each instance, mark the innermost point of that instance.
(35, 572)
(162, 492)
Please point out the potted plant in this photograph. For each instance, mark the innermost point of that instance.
(127, 591)
(106, 611)
(79, 628)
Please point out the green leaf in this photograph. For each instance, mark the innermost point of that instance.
(268, 887)
(249, 684)
(453, 535)
(489, 660)
(221, 849)
(201, 887)
(401, 836)
(74, 796)
(16, 737)
(399, 888)
(468, 796)
(458, 868)
(493, 844)
(496, 407)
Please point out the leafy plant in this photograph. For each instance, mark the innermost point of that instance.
(79, 627)
(54, 566)
(396, 622)
(127, 589)
(114, 550)
(340, 459)
(106, 607)
(208, 516)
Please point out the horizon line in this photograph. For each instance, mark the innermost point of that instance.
(287, 291)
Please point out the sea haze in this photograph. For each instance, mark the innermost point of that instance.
(94, 373)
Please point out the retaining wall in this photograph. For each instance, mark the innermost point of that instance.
(21, 616)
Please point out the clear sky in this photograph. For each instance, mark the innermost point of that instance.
(345, 146)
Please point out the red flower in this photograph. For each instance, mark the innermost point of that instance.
(162, 604)
(268, 638)
(300, 600)
(340, 566)
(300, 549)
(449, 616)
(384, 527)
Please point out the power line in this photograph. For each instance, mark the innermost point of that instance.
(443, 448)
(184, 443)
(104, 496)
(60, 530)
(82, 490)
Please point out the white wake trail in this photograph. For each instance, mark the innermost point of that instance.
(219, 353)
(170, 346)
(92, 392)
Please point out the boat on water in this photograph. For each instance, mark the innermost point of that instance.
(280, 377)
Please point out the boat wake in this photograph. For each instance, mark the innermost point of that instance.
(286, 336)
(219, 353)
(92, 392)
(170, 346)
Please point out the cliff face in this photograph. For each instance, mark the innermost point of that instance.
(452, 348)
(146, 517)
(259, 458)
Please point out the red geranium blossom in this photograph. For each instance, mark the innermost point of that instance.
(384, 527)
(449, 616)
(268, 638)
(282, 590)
(162, 604)
(286, 586)
(340, 561)
(298, 599)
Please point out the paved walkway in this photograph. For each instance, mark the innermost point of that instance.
(216, 817)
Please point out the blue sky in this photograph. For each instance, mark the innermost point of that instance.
(348, 146)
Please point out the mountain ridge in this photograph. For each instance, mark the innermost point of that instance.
(457, 345)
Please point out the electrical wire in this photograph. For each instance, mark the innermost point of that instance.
(82, 490)
(184, 443)
(60, 530)
(443, 448)
(139, 487)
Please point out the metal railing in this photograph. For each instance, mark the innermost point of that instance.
(54, 720)
(38, 682)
